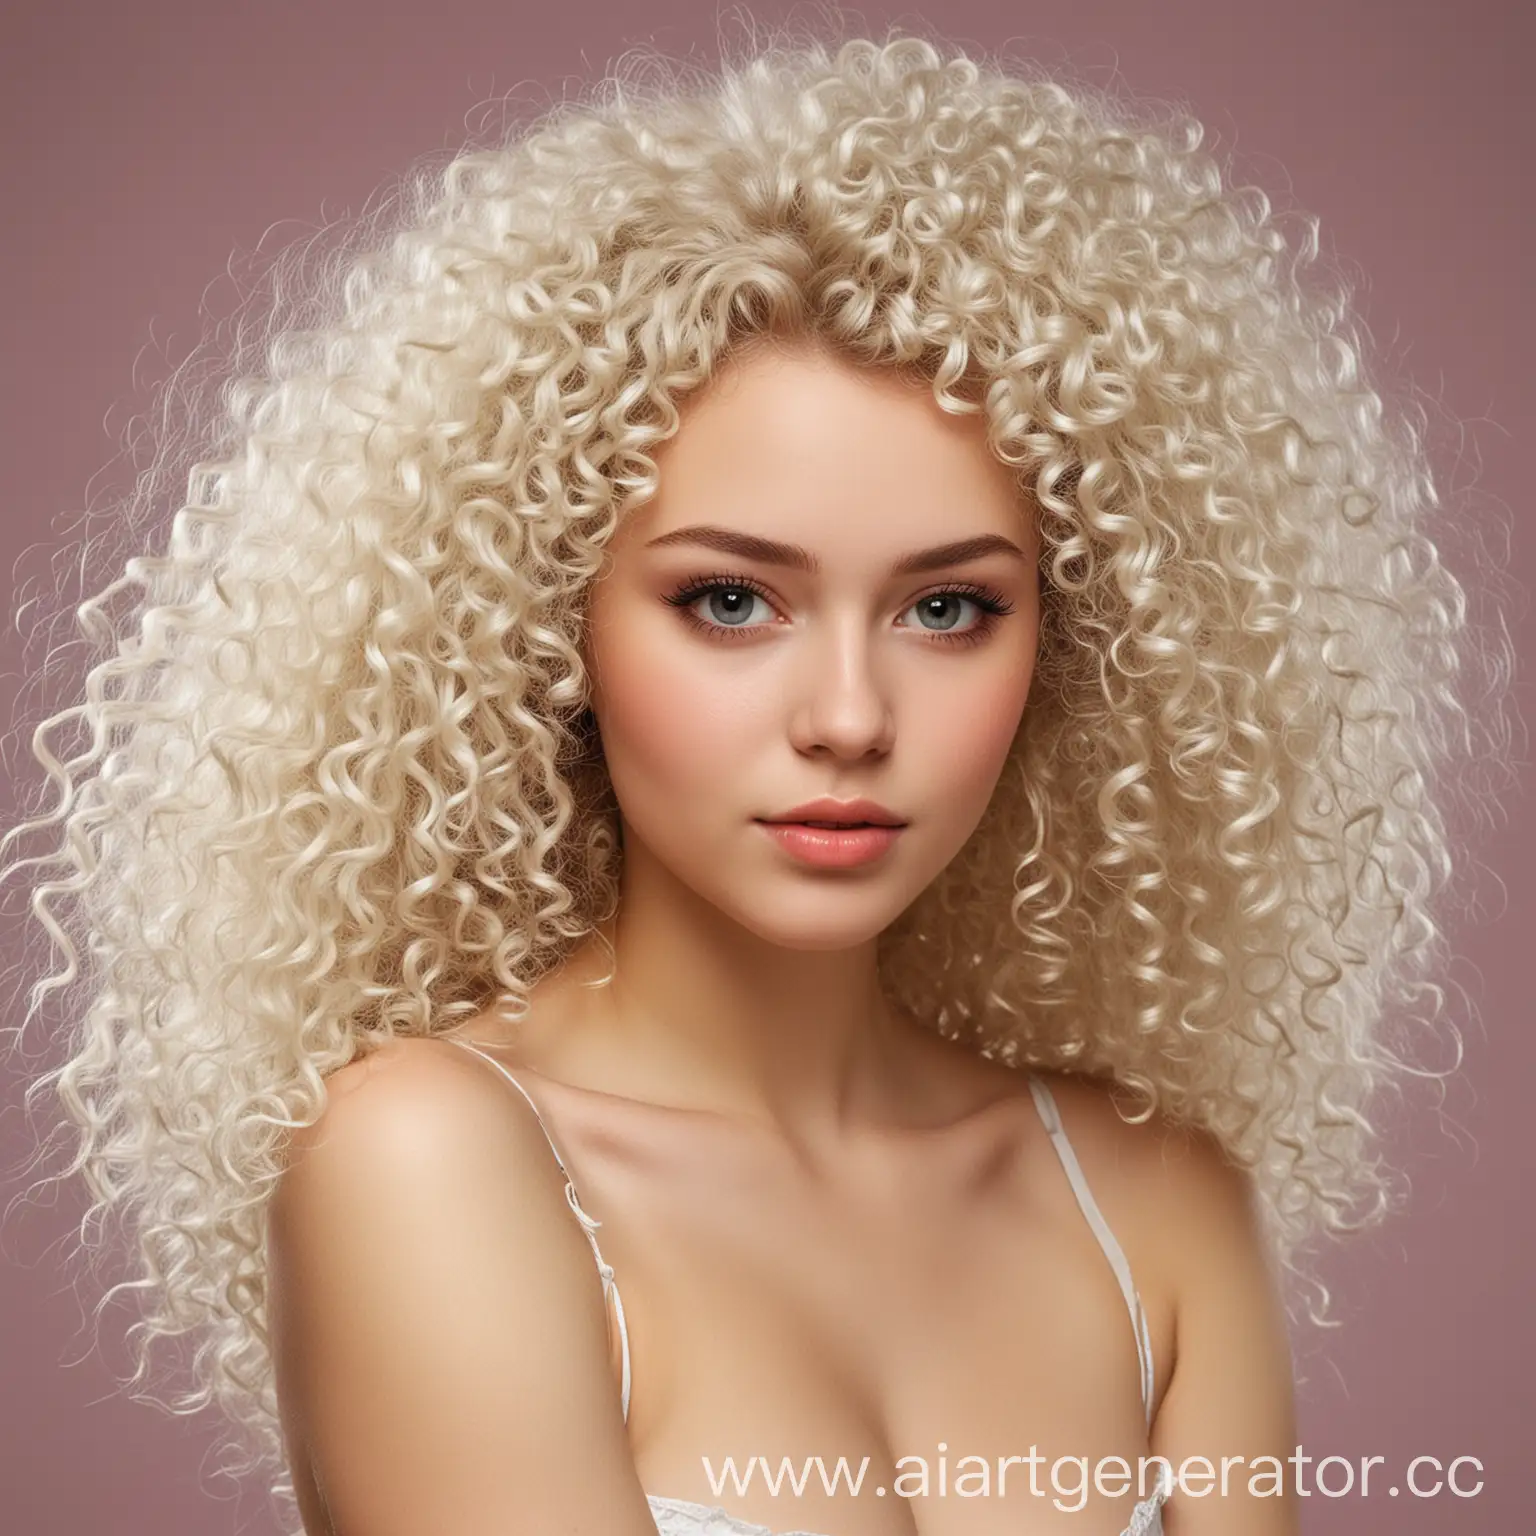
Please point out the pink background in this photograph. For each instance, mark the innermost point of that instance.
(148, 144)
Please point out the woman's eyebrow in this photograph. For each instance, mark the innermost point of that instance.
(750, 546)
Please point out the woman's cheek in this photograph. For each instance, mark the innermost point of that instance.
(672, 724)
(970, 725)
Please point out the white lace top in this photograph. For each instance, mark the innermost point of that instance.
(682, 1517)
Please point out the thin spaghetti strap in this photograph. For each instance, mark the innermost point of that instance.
(589, 1223)
(1045, 1104)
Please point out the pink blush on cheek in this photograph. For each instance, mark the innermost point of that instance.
(679, 728)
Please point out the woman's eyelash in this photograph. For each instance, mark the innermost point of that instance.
(701, 586)
(984, 597)
(993, 605)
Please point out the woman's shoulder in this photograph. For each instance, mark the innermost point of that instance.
(1113, 1117)
(425, 1278)
(424, 1155)
(422, 1110)
(1169, 1185)
(1162, 1180)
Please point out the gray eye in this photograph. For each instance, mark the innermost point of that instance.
(941, 611)
(730, 606)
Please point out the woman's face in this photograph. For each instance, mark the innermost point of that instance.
(832, 597)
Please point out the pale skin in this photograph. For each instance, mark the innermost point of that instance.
(835, 1234)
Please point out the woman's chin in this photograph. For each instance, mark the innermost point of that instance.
(839, 920)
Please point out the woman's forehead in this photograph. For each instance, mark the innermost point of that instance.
(806, 451)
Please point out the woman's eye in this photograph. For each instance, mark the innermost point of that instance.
(732, 607)
(941, 611)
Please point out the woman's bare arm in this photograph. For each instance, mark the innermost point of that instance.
(1230, 1394)
(1187, 1219)
(437, 1320)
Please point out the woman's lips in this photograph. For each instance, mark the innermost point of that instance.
(829, 847)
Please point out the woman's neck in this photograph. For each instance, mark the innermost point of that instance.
(704, 1014)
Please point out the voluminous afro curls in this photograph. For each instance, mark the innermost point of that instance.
(337, 789)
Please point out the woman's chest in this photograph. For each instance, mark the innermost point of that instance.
(943, 1329)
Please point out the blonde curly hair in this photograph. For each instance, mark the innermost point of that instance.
(335, 788)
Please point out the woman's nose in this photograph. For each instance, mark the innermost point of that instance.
(842, 706)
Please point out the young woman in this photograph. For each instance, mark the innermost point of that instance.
(768, 805)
